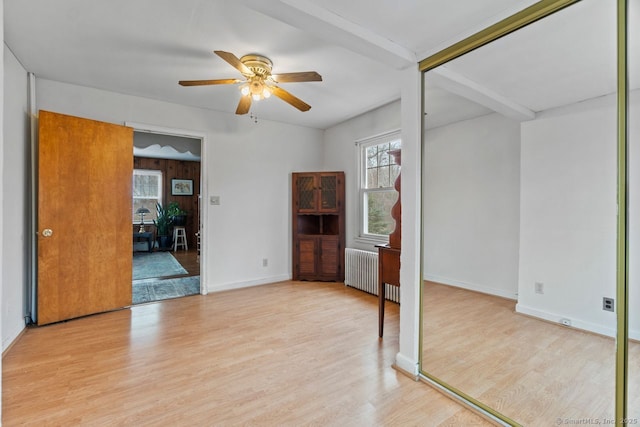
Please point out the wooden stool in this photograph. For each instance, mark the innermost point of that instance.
(179, 238)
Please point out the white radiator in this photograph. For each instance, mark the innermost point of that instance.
(361, 272)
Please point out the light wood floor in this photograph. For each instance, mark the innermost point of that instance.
(533, 371)
(292, 353)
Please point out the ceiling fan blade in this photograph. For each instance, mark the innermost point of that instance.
(208, 82)
(234, 61)
(287, 97)
(244, 104)
(304, 76)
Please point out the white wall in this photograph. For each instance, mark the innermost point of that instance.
(562, 234)
(568, 221)
(494, 228)
(15, 199)
(634, 215)
(341, 153)
(248, 165)
(471, 205)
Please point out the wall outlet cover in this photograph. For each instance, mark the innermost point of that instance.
(608, 304)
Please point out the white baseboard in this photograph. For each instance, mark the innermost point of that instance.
(472, 286)
(408, 365)
(247, 284)
(575, 323)
(10, 339)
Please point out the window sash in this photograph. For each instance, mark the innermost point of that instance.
(380, 169)
(367, 188)
(148, 200)
(378, 222)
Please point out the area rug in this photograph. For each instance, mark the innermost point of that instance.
(155, 264)
(156, 290)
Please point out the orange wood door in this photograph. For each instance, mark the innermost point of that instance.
(84, 217)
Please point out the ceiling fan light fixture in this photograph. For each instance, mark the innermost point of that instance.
(258, 81)
(257, 88)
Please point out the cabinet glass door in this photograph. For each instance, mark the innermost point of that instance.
(306, 193)
(328, 193)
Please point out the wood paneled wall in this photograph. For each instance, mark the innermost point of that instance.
(177, 169)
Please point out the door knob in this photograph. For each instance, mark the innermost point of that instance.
(47, 232)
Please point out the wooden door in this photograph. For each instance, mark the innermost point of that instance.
(84, 217)
(307, 257)
(329, 258)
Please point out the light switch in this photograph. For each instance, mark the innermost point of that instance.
(214, 200)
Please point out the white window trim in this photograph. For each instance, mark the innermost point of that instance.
(149, 172)
(361, 144)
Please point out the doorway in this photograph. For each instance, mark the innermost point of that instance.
(167, 214)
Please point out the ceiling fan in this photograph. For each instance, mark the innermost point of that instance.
(258, 81)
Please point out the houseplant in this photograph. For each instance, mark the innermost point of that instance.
(163, 224)
(177, 215)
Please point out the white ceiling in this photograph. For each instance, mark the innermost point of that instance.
(566, 58)
(144, 47)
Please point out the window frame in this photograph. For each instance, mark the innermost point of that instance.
(155, 172)
(362, 191)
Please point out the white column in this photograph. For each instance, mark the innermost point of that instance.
(407, 357)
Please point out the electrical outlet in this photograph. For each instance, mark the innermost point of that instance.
(539, 287)
(608, 304)
(265, 262)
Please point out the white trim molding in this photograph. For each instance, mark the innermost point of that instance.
(204, 207)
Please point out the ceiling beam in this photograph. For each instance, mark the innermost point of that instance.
(323, 23)
(462, 86)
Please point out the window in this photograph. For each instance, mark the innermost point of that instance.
(147, 191)
(378, 173)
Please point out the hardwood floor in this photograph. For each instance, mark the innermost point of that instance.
(188, 260)
(290, 353)
(533, 371)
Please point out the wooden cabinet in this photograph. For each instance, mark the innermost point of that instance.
(318, 226)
